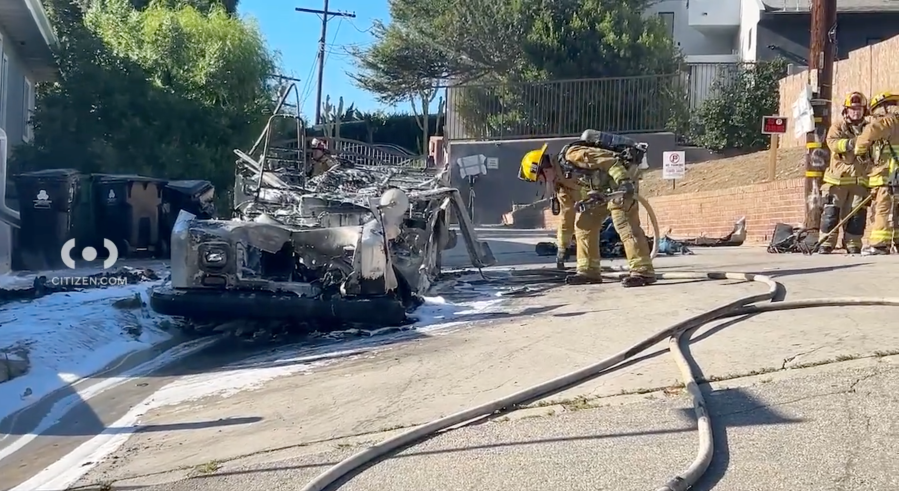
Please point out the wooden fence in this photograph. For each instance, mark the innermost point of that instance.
(869, 70)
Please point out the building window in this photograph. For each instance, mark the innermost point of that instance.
(28, 110)
(668, 20)
(871, 41)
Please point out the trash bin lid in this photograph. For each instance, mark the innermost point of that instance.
(191, 187)
(49, 174)
(108, 178)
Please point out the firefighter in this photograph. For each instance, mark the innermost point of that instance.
(845, 180)
(601, 157)
(879, 141)
(597, 162)
(322, 160)
(565, 192)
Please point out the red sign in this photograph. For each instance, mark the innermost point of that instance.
(774, 125)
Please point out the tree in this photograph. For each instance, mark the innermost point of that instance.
(401, 67)
(230, 6)
(164, 92)
(515, 48)
(731, 117)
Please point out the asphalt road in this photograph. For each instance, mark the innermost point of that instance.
(830, 429)
(811, 428)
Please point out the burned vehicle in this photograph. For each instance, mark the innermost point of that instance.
(358, 244)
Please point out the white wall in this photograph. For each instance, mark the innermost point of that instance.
(714, 15)
(750, 13)
(689, 40)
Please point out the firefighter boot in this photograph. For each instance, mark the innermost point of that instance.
(876, 251)
(635, 280)
(582, 279)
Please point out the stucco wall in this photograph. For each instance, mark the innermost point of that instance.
(691, 41)
(496, 191)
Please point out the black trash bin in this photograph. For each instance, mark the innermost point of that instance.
(193, 196)
(47, 204)
(127, 212)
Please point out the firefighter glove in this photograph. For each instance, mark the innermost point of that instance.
(627, 187)
(850, 145)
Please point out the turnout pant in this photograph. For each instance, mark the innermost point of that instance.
(882, 233)
(626, 219)
(839, 201)
(565, 230)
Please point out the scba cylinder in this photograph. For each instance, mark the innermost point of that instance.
(608, 141)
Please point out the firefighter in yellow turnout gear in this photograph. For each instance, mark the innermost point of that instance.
(565, 191)
(845, 180)
(598, 169)
(322, 160)
(880, 142)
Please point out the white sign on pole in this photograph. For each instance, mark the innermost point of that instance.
(803, 115)
(674, 165)
(492, 163)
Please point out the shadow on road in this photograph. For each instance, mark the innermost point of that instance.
(725, 402)
(89, 426)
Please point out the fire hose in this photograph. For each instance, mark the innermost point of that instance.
(676, 334)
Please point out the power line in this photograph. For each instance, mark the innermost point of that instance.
(329, 51)
(326, 15)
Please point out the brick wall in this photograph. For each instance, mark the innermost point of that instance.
(713, 213)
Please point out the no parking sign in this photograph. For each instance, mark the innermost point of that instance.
(674, 165)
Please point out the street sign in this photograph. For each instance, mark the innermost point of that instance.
(674, 165)
(774, 125)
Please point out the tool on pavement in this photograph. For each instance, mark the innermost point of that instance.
(893, 187)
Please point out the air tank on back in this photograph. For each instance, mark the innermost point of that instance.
(608, 141)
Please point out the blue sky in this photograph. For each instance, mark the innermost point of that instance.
(295, 35)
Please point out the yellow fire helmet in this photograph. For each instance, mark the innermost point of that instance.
(855, 99)
(883, 98)
(530, 164)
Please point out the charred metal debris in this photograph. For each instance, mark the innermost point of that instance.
(357, 244)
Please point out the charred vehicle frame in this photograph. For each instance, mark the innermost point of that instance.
(358, 244)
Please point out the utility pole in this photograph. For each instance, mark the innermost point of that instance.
(326, 16)
(821, 59)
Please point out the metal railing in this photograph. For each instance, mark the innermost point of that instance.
(366, 154)
(561, 108)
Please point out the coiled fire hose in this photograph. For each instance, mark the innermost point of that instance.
(339, 473)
